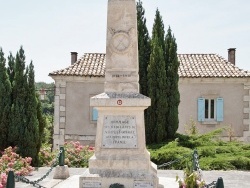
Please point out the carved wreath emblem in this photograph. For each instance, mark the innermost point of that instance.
(121, 40)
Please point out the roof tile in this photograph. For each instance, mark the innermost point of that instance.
(191, 66)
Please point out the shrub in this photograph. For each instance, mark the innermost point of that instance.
(77, 155)
(214, 154)
(12, 161)
(46, 156)
(3, 180)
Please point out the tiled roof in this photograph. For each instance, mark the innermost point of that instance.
(208, 66)
(191, 66)
(90, 64)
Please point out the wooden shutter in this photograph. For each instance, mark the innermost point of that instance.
(94, 114)
(219, 109)
(201, 109)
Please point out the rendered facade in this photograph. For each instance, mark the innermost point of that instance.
(214, 92)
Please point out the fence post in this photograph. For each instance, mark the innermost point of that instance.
(61, 156)
(10, 180)
(195, 154)
(219, 183)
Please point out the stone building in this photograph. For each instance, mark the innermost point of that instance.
(213, 91)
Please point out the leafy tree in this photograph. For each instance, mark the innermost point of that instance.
(5, 102)
(173, 95)
(144, 48)
(155, 131)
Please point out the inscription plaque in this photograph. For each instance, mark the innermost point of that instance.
(92, 185)
(119, 132)
(143, 184)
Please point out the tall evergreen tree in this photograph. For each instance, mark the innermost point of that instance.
(155, 132)
(19, 94)
(41, 122)
(158, 30)
(11, 68)
(144, 48)
(28, 145)
(173, 95)
(5, 102)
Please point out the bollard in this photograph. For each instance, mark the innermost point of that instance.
(10, 180)
(219, 183)
(61, 156)
(116, 185)
(195, 157)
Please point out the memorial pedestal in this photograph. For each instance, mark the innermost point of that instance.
(120, 149)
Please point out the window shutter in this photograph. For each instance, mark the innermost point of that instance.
(94, 114)
(220, 109)
(201, 109)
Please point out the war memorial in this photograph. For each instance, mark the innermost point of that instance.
(121, 157)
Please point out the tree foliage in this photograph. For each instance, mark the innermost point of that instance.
(144, 48)
(156, 132)
(173, 95)
(5, 102)
(24, 120)
(163, 63)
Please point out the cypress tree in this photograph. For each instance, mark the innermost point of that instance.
(5, 102)
(30, 141)
(155, 132)
(143, 47)
(173, 95)
(158, 30)
(11, 67)
(19, 94)
(41, 123)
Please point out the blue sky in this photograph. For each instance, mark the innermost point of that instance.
(50, 29)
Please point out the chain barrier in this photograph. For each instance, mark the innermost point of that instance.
(35, 183)
(211, 185)
(174, 161)
(196, 167)
(196, 164)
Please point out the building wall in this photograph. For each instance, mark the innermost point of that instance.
(72, 119)
(234, 93)
(73, 114)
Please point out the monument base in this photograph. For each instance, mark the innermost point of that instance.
(61, 172)
(88, 180)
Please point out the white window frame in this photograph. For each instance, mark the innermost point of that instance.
(209, 112)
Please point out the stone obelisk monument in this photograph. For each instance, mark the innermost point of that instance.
(120, 155)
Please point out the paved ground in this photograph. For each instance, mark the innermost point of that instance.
(232, 179)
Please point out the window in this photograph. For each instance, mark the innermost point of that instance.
(94, 114)
(210, 109)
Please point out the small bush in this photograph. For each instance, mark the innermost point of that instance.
(77, 155)
(3, 180)
(11, 161)
(46, 156)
